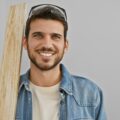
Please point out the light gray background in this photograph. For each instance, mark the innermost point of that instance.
(94, 38)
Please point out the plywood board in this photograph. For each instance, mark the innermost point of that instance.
(10, 67)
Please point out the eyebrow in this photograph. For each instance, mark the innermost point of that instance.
(56, 34)
(38, 33)
(41, 33)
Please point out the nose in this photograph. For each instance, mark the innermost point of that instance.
(47, 42)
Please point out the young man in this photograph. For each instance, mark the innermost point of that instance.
(48, 91)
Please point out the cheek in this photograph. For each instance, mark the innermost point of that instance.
(32, 44)
(62, 48)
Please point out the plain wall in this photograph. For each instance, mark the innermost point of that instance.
(94, 40)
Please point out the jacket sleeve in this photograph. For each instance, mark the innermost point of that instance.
(100, 111)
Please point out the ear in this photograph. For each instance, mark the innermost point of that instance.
(24, 42)
(66, 45)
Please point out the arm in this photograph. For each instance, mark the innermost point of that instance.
(100, 111)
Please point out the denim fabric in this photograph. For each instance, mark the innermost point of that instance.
(81, 99)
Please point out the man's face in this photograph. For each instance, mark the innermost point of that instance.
(45, 44)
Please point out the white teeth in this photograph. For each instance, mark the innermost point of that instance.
(46, 54)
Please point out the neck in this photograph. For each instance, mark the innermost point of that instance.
(45, 78)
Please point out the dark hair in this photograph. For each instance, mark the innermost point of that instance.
(47, 12)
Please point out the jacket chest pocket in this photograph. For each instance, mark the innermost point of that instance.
(83, 119)
(83, 112)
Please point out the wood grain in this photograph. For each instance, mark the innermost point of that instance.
(10, 67)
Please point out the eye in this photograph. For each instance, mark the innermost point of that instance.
(56, 37)
(37, 35)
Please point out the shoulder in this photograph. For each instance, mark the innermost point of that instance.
(85, 89)
(84, 83)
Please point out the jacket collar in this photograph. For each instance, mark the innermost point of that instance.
(24, 81)
(66, 82)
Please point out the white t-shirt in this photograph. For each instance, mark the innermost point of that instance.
(45, 102)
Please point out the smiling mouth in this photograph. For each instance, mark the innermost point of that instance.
(46, 54)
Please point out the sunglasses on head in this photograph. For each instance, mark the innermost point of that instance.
(37, 7)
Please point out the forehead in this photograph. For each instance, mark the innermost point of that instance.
(46, 26)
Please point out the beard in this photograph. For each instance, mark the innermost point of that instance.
(43, 64)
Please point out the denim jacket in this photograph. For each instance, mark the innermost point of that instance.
(81, 99)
